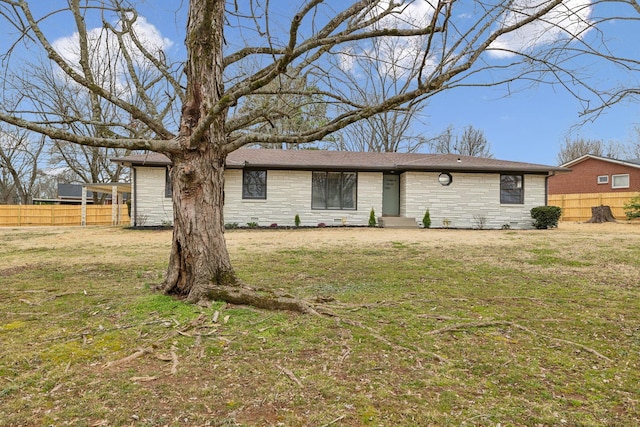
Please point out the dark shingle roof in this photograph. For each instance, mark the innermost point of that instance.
(360, 161)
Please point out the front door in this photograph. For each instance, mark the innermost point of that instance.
(390, 195)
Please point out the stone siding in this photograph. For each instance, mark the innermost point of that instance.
(289, 193)
(153, 208)
(470, 199)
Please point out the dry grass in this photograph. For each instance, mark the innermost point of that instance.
(433, 327)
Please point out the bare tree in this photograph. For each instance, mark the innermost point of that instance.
(632, 149)
(373, 72)
(573, 149)
(502, 42)
(471, 142)
(289, 106)
(56, 97)
(21, 158)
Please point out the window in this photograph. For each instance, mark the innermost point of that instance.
(603, 179)
(334, 190)
(254, 184)
(620, 181)
(511, 189)
(168, 187)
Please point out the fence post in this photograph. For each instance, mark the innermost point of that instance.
(83, 211)
(114, 205)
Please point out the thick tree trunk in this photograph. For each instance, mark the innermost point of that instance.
(199, 260)
(199, 266)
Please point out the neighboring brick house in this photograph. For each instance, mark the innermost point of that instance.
(271, 186)
(594, 174)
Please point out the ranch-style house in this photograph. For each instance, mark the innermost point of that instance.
(268, 186)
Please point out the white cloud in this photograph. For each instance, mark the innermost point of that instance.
(568, 20)
(105, 53)
(406, 14)
(394, 55)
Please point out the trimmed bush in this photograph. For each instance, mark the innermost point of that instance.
(296, 220)
(426, 219)
(632, 209)
(372, 219)
(545, 217)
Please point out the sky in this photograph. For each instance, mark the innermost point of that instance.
(527, 125)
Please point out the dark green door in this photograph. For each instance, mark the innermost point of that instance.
(390, 195)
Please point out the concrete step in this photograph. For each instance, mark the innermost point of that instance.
(397, 222)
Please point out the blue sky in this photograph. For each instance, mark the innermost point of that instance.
(528, 125)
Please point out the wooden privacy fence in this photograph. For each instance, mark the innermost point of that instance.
(27, 215)
(577, 207)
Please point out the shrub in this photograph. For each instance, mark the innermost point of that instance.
(372, 218)
(426, 219)
(231, 225)
(252, 224)
(480, 221)
(274, 225)
(322, 224)
(296, 220)
(545, 216)
(632, 209)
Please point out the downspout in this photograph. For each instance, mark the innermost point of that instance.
(546, 187)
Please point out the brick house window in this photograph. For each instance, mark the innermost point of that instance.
(620, 181)
(603, 179)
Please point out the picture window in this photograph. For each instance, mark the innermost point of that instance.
(334, 190)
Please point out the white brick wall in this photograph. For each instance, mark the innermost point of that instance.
(289, 193)
(468, 195)
(153, 208)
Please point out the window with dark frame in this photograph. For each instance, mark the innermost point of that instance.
(334, 190)
(168, 186)
(511, 189)
(254, 184)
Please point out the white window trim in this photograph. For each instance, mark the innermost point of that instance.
(613, 180)
(603, 179)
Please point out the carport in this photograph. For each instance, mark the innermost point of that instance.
(117, 190)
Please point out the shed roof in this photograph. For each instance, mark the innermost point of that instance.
(359, 161)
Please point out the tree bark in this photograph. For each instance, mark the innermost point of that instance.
(200, 268)
(199, 259)
(601, 214)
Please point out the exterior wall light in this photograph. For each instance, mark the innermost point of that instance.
(445, 178)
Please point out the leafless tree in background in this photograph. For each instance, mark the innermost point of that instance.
(573, 149)
(471, 142)
(289, 106)
(21, 162)
(376, 71)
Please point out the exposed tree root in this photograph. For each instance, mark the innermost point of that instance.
(244, 295)
(464, 326)
(382, 339)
